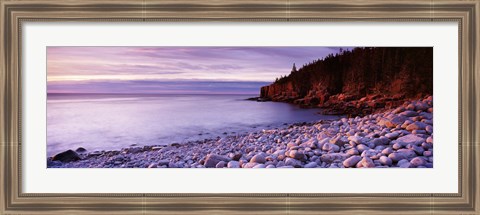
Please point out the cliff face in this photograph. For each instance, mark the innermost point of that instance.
(362, 77)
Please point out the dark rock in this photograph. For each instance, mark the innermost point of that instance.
(236, 156)
(221, 164)
(419, 150)
(408, 113)
(163, 162)
(381, 141)
(134, 150)
(66, 156)
(51, 163)
(80, 150)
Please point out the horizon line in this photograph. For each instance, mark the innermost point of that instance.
(156, 93)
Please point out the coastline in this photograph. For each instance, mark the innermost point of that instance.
(401, 138)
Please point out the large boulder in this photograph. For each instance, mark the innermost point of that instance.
(66, 156)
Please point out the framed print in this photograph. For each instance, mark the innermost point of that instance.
(303, 107)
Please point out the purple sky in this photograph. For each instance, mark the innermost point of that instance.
(237, 70)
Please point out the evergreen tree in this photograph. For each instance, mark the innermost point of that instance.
(294, 69)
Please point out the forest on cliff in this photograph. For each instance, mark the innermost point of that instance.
(362, 71)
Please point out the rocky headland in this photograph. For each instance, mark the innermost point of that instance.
(400, 137)
(357, 82)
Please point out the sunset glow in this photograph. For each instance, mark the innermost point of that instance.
(122, 69)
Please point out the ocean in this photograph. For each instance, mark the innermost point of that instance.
(109, 122)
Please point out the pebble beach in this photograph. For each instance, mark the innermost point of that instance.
(395, 138)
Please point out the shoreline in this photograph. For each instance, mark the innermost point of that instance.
(400, 137)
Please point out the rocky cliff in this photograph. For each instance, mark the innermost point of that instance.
(358, 81)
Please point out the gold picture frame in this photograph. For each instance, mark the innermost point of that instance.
(15, 12)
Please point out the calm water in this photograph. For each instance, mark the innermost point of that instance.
(105, 122)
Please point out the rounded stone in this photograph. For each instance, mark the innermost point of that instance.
(385, 160)
(352, 161)
(367, 162)
(233, 164)
(415, 162)
(396, 156)
(259, 158)
(221, 164)
(311, 165)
